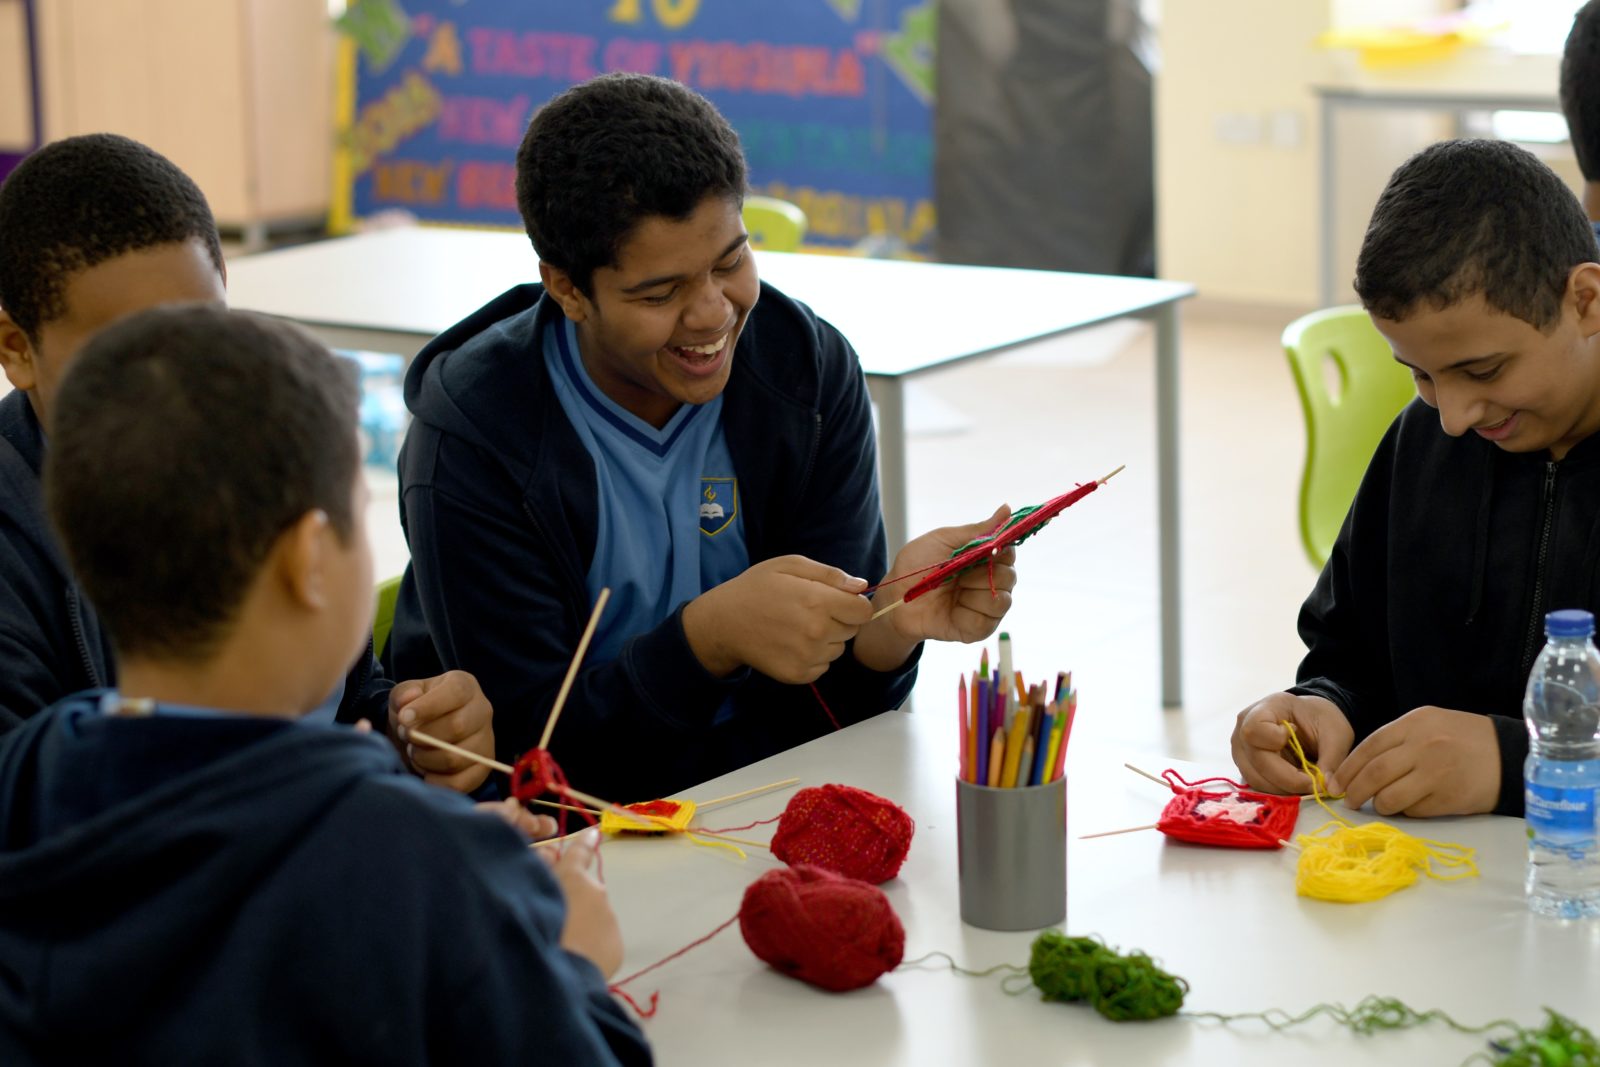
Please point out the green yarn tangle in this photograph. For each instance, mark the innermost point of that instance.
(1117, 986)
(1560, 1042)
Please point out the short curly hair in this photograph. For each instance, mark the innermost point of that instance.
(1473, 216)
(602, 157)
(78, 202)
(206, 432)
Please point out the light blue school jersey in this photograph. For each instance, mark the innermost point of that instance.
(669, 526)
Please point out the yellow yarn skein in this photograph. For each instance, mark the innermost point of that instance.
(1350, 864)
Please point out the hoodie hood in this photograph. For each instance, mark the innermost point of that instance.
(128, 847)
(475, 381)
(21, 467)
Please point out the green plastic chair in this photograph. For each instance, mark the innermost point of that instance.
(1343, 427)
(383, 618)
(775, 225)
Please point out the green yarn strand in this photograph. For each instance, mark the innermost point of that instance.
(1130, 986)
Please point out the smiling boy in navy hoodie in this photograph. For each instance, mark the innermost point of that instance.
(655, 420)
(189, 871)
(93, 228)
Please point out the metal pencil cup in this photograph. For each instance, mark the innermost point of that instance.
(1012, 855)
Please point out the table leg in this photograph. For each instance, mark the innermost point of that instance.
(888, 394)
(1168, 495)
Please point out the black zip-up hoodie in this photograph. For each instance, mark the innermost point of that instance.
(498, 499)
(241, 890)
(1438, 584)
(51, 642)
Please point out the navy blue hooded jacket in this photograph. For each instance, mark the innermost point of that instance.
(498, 500)
(1436, 589)
(51, 642)
(258, 891)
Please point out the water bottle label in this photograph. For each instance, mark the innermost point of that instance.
(1563, 814)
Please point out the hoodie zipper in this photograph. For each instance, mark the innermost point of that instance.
(1548, 498)
(75, 613)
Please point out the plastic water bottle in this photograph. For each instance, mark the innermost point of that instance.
(1562, 775)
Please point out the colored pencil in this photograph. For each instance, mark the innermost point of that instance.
(997, 756)
(1050, 762)
(1041, 748)
(980, 717)
(1014, 742)
(961, 722)
(1066, 735)
(972, 728)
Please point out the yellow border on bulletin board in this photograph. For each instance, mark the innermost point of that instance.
(341, 211)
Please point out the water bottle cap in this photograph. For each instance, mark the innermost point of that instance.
(1570, 623)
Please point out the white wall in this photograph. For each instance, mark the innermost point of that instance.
(1234, 215)
(1237, 138)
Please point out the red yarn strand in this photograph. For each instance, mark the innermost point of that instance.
(825, 709)
(736, 829)
(616, 987)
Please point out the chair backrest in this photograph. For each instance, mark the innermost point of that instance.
(775, 225)
(383, 617)
(1343, 424)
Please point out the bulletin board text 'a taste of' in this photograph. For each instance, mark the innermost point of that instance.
(832, 99)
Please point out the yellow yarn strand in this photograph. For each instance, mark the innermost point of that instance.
(1350, 864)
(710, 842)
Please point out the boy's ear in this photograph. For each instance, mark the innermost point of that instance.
(1583, 290)
(558, 283)
(17, 355)
(301, 560)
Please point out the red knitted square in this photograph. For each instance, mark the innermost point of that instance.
(1239, 818)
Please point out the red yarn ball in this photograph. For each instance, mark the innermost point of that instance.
(836, 933)
(845, 830)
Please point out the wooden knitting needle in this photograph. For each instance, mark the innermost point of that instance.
(434, 742)
(1146, 774)
(731, 797)
(572, 668)
(694, 832)
(884, 611)
(1113, 833)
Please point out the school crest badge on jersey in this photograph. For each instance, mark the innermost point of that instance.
(719, 504)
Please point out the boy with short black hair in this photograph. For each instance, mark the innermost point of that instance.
(167, 848)
(1480, 511)
(93, 228)
(654, 420)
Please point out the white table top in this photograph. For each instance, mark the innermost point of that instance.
(1229, 921)
(902, 317)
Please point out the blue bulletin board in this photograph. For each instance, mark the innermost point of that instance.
(832, 100)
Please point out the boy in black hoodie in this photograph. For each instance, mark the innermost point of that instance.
(654, 420)
(167, 849)
(1480, 511)
(93, 228)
